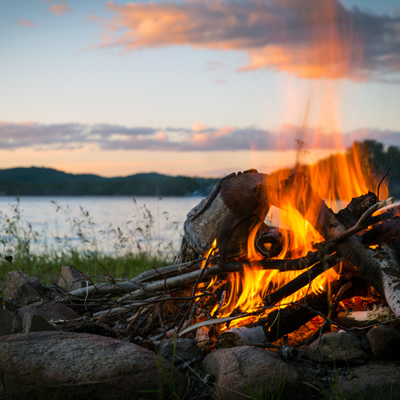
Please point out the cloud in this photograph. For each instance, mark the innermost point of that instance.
(199, 126)
(116, 137)
(60, 9)
(26, 23)
(310, 38)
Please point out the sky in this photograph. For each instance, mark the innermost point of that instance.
(194, 87)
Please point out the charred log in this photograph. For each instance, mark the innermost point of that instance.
(280, 322)
(379, 267)
(236, 204)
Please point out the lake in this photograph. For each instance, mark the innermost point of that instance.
(107, 223)
(111, 224)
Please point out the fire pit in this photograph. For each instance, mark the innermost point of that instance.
(267, 271)
(268, 254)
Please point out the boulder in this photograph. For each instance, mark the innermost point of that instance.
(22, 289)
(65, 365)
(251, 372)
(338, 348)
(71, 279)
(5, 321)
(369, 382)
(385, 342)
(42, 317)
(179, 349)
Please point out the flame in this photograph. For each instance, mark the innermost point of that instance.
(337, 180)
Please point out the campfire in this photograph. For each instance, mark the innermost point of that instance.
(267, 275)
(277, 256)
(264, 258)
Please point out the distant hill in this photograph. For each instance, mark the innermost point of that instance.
(375, 160)
(36, 181)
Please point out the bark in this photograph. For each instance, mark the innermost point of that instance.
(236, 205)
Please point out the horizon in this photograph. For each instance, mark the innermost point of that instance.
(118, 88)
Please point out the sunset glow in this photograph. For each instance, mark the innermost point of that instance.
(195, 87)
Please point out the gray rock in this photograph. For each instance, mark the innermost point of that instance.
(60, 365)
(42, 317)
(5, 321)
(179, 349)
(385, 342)
(246, 371)
(22, 289)
(369, 382)
(71, 279)
(35, 323)
(336, 347)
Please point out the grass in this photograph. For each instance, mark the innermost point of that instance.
(133, 249)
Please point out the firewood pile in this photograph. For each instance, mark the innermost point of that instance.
(227, 243)
(261, 266)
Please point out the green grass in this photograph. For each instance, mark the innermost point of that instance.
(133, 250)
(47, 267)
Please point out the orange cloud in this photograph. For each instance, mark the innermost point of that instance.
(60, 9)
(310, 38)
(26, 23)
(198, 126)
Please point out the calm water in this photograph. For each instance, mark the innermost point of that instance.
(105, 223)
(108, 224)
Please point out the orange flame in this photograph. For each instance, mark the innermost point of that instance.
(337, 180)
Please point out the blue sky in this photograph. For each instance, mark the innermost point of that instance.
(193, 87)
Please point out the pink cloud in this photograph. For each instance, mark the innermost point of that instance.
(199, 126)
(26, 23)
(38, 136)
(94, 17)
(60, 9)
(310, 38)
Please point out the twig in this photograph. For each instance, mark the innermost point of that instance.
(221, 302)
(109, 276)
(168, 270)
(202, 272)
(361, 223)
(107, 288)
(297, 283)
(380, 183)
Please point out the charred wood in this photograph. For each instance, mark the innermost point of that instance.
(350, 215)
(302, 280)
(379, 267)
(236, 205)
(279, 322)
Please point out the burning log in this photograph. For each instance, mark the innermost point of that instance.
(379, 267)
(235, 206)
(281, 321)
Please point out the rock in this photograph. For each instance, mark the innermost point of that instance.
(179, 349)
(63, 365)
(22, 289)
(385, 342)
(71, 279)
(5, 321)
(95, 329)
(369, 382)
(35, 323)
(337, 348)
(42, 318)
(246, 371)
